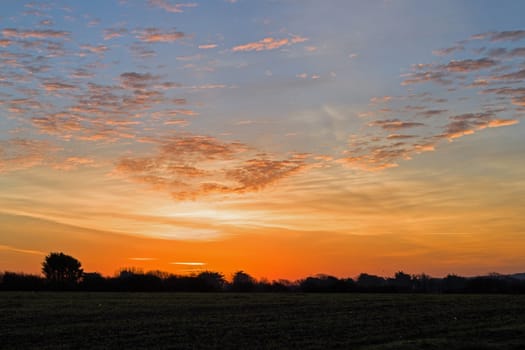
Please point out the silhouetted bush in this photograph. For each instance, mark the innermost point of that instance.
(64, 273)
(326, 284)
(371, 283)
(94, 282)
(454, 284)
(20, 281)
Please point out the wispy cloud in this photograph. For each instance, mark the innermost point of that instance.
(169, 7)
(39, 34)
(192, 166)
(20, 250)
(466, 124)
(470, 65)
(485, 74)
(509, 35)
(154, 35)
(269, 43)
(18, 154)
(188, 263)
(113, 33)
(207, 46)
(395, 124)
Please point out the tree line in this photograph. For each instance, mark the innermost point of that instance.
(64, 272)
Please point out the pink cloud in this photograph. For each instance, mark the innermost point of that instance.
(153, 35)
(173, 8)
(207, 46)
(394, 124)
(40, 34)
(269, 43)
(114, 33)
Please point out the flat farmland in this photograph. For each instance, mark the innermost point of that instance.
(260, 321)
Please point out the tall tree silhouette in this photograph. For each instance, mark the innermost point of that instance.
(62, 269)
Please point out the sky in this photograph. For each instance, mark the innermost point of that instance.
(283, 138)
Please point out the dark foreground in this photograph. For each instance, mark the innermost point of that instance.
(261, 321)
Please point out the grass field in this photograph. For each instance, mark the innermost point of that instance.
(261, 321)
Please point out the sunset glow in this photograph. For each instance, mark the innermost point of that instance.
(282, 138)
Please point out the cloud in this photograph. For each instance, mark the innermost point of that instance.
(381, 99)
(469, 123)
(432, 112)
(39, 34)
(510, 35)
(496, 123)
(448, 50)
(439, 77)
(517, 52)
(188, 263)
(173, 8)
(20, 250)
(517, 75)
(374, 151)
(207, 46)
(60, 124)
(269, 43)
(19, 154)
(56, 86)
(394, 124)
(400, 137)
(192, 166)
(256, 174)
(137, 81)
(99, 49)
(470, 65)
(153, 35)
(72, 163)
(112, 33)
(82, 74)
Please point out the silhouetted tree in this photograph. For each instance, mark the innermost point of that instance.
(134, 280)
(210, 281)
(93, 281)
(242, 282)
(402, 282)
(326, 283)
(62, 270)
(454, 284)
(367, 282)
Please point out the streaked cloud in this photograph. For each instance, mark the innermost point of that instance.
(18, 154)
(192, 166)
(154, 35)
(395, 124)
(469, 65)
(269, 43)
(38, 34)
(113, 33)
(466, 124)
(20, 250)
(509, 35)
(169, 7)
(188, 263)
(207, 46)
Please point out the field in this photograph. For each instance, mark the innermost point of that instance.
(261, 321)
